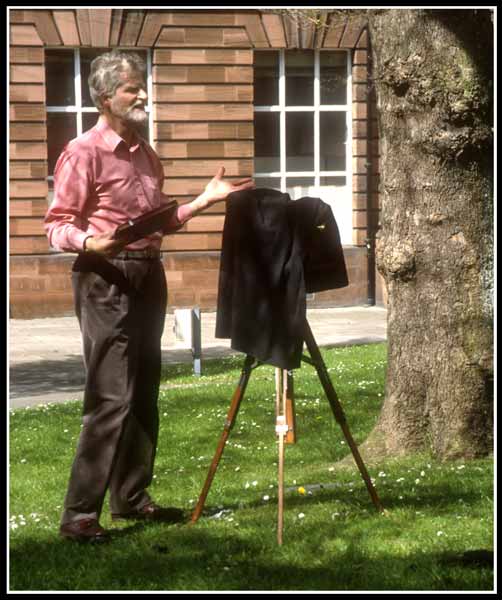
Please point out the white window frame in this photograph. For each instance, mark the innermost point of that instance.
(342, 204)
(79, 110)
(317, 108)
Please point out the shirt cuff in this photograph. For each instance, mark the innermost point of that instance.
(77, 239)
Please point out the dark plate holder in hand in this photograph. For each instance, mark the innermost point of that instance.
(148, 223)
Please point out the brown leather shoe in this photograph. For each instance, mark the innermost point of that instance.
(84, 530)
(153, 512)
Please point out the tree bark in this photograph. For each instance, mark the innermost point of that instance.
(432, 71)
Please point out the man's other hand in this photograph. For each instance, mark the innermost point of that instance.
(218, 189)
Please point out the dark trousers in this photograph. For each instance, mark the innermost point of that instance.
(120, 305)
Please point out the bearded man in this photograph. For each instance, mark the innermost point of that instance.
(104, 178)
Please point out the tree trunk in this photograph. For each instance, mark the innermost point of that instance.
(432, 73)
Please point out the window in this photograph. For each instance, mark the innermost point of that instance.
(303, 127)
(70, 110)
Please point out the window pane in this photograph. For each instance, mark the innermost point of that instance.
(268, 182)
(333, 181)
(89, 120)
(61, 128)
(297, 187)
(59, 78)
(266, 142)
(299, 141)
(266, 78)
(300, 78)
(333, 77)
(333, 131)
(87, 55)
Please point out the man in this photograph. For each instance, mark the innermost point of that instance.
(102, 179)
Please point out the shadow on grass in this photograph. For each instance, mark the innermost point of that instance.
(68, 374)
(47, 376)
(193, 558)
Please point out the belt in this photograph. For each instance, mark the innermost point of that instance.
(147, 254)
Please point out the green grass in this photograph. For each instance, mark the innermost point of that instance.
(334, 539)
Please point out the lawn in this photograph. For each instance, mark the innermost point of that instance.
(438, 515)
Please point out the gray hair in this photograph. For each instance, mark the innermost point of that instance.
(104, 78)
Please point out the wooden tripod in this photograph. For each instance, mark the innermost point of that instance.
(285, 418)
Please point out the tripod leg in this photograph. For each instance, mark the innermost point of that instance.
(281, 422)
(278, 391)
(290, 408)
(281, 429)
(336, 407)
(231, 416)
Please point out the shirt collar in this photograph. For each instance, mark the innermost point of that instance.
(112, 138)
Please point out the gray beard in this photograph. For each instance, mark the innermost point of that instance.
(133, 116)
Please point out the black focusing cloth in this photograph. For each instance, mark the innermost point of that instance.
(274, 252)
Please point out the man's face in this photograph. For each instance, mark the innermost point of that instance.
(128, 102)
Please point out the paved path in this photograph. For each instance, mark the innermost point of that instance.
(46, 362)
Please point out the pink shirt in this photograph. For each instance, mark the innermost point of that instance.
(100, 183)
